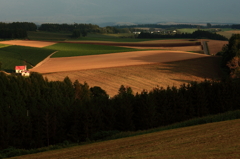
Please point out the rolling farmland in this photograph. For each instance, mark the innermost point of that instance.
(141, 66)
(138, 69)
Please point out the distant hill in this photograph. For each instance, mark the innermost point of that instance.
(116, 23)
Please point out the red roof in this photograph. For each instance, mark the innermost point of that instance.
(20, 67)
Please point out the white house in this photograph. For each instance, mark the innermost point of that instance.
(25, 73)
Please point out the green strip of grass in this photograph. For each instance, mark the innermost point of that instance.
(66, 36)
(3, 45)
(110, 37)
(68, 49)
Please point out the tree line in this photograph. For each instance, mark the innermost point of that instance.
(28, 26)
(177, 26)
(235, 26)
(16, 30)
(79, 28)
(69, 27)
(198, 34)
(13, 33)
(35, 112)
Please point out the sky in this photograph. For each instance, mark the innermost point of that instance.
(132, 11)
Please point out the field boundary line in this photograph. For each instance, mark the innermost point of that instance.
(205, 47)
(43, 61)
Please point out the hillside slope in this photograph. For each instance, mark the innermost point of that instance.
(213, 140)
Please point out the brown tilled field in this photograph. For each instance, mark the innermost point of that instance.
(215, 46)
(112, 60)
(146, 76)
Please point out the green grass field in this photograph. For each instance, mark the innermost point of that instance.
(191, 30)
(68, 49)
(59, 36)
(48, 36)
(187, 30)
(3, 45)
(12, 56)
(228, 32)
(121, 37)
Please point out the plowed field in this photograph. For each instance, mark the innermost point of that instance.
(145, 76)
(215, 46)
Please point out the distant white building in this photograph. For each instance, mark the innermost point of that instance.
(136, 32)
(25, 73)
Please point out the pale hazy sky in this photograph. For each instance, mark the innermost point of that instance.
(101, 11)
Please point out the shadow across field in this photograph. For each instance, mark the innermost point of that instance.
(207, 67)
(147, 76)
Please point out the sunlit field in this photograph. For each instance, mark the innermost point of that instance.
(229, 33)
(68, 49)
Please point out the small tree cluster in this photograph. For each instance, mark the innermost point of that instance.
(231, 56)
(78, 33)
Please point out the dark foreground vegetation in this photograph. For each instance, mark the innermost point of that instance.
(35, 112)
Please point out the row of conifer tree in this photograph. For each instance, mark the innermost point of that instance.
(35, 112)
(198, 34)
